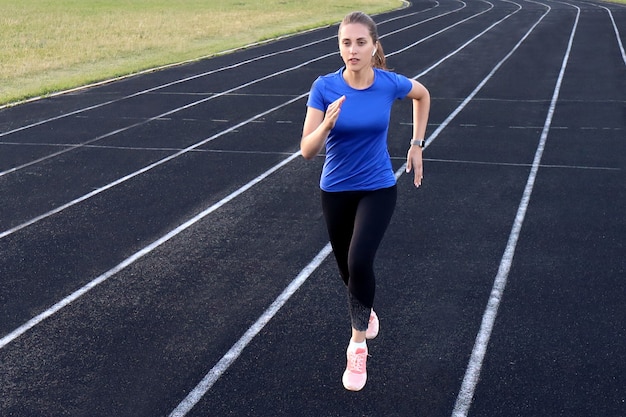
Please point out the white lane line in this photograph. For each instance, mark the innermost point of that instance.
(615, 29)
(449, 27)
(486, 79)
(163, 67)
(235, 351)
(138, 255)
(250, 334)
(162, 115)
(143, 170)
(456, 51)
(147, 168)
(464, 5)
(159, 87)
(182, 80)
(470, 380)
(77, 294)
(225, 362)
(514, 164)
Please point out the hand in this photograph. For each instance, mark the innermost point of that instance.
(332, 112)
(414, 163)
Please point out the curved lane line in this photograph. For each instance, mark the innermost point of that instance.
(470, 380)
(162, 161)
(235, 351)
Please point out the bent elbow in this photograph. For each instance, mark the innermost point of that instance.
(307, 155)
(306, 151)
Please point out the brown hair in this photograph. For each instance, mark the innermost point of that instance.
(364, 19)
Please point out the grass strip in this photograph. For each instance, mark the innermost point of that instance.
(54, 45)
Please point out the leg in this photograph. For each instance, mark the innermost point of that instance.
(356, 223)
(340, 212)
(372, 218)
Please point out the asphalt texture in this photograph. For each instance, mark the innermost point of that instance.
(163, 251)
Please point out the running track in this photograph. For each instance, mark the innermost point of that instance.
(163, 251)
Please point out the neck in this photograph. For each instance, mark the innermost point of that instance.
(359, 79)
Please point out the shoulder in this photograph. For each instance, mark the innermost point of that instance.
(390, 76)
(328, 82)
(400, 83)
(329, 78)
(324, 90)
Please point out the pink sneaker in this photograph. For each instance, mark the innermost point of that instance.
(355, 375)
(372, 327)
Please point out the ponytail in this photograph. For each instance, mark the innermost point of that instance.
(379, 57)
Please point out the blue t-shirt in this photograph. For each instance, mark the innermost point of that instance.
(356, 149)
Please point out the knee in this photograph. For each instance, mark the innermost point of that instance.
(361, 268)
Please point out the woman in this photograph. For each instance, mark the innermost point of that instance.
(348, 112)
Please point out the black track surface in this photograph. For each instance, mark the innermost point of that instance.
(132, 260)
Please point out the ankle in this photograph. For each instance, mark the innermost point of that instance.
(358, 336)
(354, 345)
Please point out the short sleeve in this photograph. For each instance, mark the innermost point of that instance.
(403, 86)
(316, 95)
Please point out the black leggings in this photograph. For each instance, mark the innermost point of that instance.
(356, 222)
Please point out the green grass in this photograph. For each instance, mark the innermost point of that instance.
(53, 45)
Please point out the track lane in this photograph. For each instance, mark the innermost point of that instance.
(74, 243)
(142, 352)
(563, 307)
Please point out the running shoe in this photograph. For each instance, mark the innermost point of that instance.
(372, 327)
(355, 375)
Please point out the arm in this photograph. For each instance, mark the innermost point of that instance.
(421, 108)
(317, 126)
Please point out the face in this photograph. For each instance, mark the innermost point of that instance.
(356, 46)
